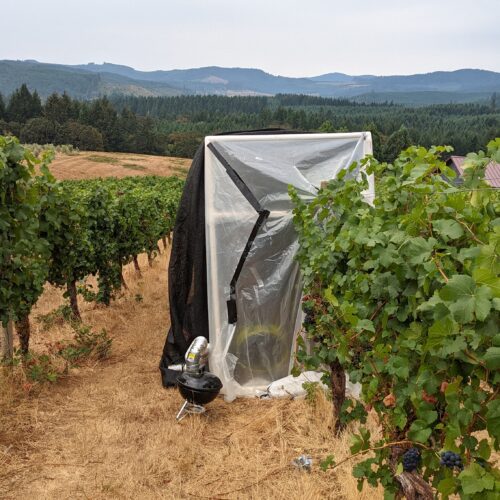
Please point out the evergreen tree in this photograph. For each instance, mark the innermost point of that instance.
(60, 109)
(396, 142)
(102, 116)
(23, 105)
(36, 105)
(146, 138)
(3, 114)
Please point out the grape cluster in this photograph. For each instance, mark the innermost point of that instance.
(309, 312)
(308, 320)
(451, 460)
(411, 460)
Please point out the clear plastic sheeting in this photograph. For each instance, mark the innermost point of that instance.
(244, 177)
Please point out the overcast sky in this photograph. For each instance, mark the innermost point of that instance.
(285, 37)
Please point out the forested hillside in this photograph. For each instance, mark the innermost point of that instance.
(176, 125)
(90, 81)
(79, 83)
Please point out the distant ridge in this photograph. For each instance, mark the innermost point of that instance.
(87, 81)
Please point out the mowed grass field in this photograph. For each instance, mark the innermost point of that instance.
(107, 429)
(90, 164)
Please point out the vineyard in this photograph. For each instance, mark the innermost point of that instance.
(402, 294)
(63, 232)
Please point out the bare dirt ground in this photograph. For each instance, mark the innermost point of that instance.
(108, 430)
(89, 164)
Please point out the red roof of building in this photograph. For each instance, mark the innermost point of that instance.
(492, 170)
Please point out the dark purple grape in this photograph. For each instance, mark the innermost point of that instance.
(451, 460)
(411, 460)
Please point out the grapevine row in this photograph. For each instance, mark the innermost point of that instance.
(63, 232)
(403, 295)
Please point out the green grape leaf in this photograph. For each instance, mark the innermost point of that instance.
(492, 358)
(475, 479)
(450, 229)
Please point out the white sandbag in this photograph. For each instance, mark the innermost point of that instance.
(293, 386)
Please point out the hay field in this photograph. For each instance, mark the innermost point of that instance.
(89, 164)
(108, 429)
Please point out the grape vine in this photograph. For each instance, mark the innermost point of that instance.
(403, 294)
(23, 253)
(63, 232)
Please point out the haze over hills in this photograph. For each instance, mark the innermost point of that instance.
(88, 81)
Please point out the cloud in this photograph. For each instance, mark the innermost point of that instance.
(295, 38)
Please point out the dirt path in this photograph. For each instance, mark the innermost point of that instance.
(109, 430)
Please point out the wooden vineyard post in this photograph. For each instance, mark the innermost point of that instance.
(7, 341)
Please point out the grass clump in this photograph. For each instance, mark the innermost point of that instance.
(102, 159)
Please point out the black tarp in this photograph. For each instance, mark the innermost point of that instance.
(187, 271)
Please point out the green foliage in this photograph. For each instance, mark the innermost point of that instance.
(176, 125)
(38, 368)
(62, 232)
(87, 344)
(328, 462)
(61, 108)
(406, 295)
(311, 389)
(184, 144)
(96, 226)
(39, 130)
(393, 127)
(38, 149)
(81, 136)
(24, 253)
(23, 105)
(92, 125)
(56, 317)
(3, 113)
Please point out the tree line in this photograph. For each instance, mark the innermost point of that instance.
(176, 125)
(187, 119)
(88, 125)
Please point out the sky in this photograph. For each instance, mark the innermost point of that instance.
(286, 37)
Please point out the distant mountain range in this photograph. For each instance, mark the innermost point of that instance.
(87, 81)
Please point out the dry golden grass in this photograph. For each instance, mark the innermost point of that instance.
(90, 164)
(108, 430)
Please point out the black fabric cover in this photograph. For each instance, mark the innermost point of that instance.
(187, 271)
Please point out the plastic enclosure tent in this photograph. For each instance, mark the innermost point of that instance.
(254, 283)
